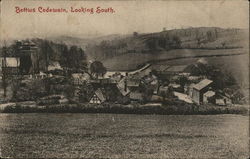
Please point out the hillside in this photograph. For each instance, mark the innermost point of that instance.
(84, 41)
(131, 61)
(154, 43)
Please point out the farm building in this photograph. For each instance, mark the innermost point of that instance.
(199, 90)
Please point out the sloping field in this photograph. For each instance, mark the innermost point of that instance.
(132, 61)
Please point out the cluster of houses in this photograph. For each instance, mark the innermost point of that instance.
(152, 83)
(197, 89)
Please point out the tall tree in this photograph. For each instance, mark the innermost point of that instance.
(97, 69)
(47, 51)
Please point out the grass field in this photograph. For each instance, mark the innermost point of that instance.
(123, 136)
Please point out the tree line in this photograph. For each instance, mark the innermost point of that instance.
(47, 52)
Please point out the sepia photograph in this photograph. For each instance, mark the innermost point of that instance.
(124, 79)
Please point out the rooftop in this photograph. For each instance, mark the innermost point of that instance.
(202, 84)
(179, 68)
(209, 93)
(82, 76)
(100, 95)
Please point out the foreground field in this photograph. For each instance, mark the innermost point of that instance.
(123, 136)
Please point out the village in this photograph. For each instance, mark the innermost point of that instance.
(152, 83)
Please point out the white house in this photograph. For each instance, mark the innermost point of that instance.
(98, 97)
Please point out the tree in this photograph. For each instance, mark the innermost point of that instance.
(86, 90)
(46, 52)
(162, 42)
(147, 90)
(64, 55)
(177, 42)
(210, 36)
(223, 44)
(152, 43)
(135, 34)
(183, 81)
(73, 58)
(97, 69)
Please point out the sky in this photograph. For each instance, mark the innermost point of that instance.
(129, 16)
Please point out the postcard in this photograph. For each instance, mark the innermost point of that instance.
(124, 79)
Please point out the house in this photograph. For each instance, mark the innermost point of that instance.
(80, 78)
(136, 96)
(10, 65)
(175, 87)
(40, 75)
(115, 74)
(183, 97)
(188, 89)
(152, 81)
(199, 89)
(155, 87)
(98, 97)
(156, 98)
(102, 81)
(54, 66)
(133, 83)
(163, 90)
(195, 79)
(208, 97)
(143, 73)
(222, 100)
(122, 86)
(237, 94)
